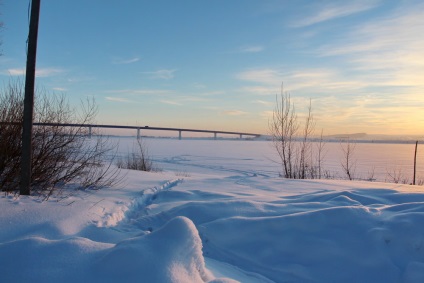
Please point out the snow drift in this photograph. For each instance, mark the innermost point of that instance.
(224, 220)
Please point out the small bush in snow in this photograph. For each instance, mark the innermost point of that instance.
(139, 159)
(348, 163)
(59, 154)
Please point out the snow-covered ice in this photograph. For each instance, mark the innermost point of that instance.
(217, 212)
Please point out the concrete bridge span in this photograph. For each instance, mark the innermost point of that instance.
(148, 128)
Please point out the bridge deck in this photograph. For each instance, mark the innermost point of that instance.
(138, 128)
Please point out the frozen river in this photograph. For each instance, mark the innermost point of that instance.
(376, 161)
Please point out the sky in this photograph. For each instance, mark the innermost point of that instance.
(220, 64)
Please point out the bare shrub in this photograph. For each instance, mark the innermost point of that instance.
(319, 158)
(60, 154)
(182, 174)
(371, 174)
(327, 174)
(138, 159)
(11, 108)
(397, 176)
(348, 163)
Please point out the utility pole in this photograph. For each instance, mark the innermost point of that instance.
(415, 162)
(29, 99)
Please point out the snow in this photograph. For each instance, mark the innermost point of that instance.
(217, 212)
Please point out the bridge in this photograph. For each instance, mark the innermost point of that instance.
(138, 128)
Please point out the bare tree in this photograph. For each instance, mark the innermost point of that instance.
(348, 163)
(320, 154)
(60, 154)
(306, 144)
(293, 147)
(283, 128)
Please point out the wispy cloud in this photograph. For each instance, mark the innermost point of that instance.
(140, 91)
(119, 61)
(233, 112)
(211, 93)
(171, 102)
(263, 102)
(198, 85)
(118, 99)
(267, 114)
(333, 11)
(196, 98)
(179, 100)
(16, 72)
(161, 74)
(386, 51)
(398, 32)
(260, 90)
(59, 89)
(375, 63)
(268, 81)
(366, 113)
(48, 72)
(43, 72)
(264, 76)
(80, 79)
(252, 49)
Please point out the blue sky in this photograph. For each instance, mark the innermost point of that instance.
(219, 64)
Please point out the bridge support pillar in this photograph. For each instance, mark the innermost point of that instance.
(214, 135)
(138, 133)
(241, 136)
(89, 132)
(179, 135)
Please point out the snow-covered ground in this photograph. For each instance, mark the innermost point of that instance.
(217, 212)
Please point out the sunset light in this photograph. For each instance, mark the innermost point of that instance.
(220, 64)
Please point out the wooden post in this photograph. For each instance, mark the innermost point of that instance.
(26, 154)
(415, 162)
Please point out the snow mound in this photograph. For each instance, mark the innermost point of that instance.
(38, 259)
(309, 237)
(379, 241)
(173, 253)
(223, 280)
